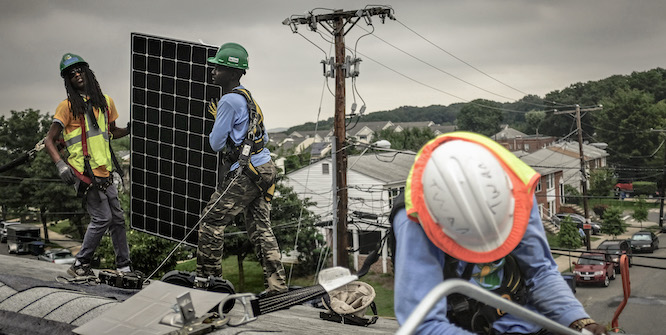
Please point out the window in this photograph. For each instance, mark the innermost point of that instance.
(526, 146)
(550, 181)
(538, 187)
(367, 241)
(561, 192)
(394, 192)
(324, 168)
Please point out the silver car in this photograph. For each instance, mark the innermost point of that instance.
(57, 256)
(3, 230)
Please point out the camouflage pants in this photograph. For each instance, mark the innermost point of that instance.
(243, 196)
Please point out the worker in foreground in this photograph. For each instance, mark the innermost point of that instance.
(246, 174)
(470, 212)
(87, 122)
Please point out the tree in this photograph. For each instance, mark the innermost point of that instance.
(569, 237)
(36, 183)
(602, 182)
(534, 119)
(481, 116)
(625, 123)
(640, 210)
(613, 222)
(409, 139)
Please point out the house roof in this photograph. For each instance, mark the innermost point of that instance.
(419, 124)
(572, 149)
(508, 133)
(374, 126)
(32, 302)
(388, 167)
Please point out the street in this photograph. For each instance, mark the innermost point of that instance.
(646, 307)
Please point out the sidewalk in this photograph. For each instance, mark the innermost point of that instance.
(564, 262)
(63, 241)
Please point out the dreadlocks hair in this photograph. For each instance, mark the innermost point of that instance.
(91, 90)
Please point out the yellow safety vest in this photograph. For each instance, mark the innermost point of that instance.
(97, 140)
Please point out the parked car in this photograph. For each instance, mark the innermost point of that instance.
(578, 220)
(616, 248)
(57, 256)
(22, 238)
(3, 230)
(594, 267)
(644, 241)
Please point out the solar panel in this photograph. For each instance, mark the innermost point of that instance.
(173, 170)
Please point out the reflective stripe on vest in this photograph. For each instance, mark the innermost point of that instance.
(97, 141)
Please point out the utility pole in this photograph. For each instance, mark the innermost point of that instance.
(583, 170)
(662, 189)
(335, 23)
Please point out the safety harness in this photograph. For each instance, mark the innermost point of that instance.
(251, 145)
(88, 178)
(463, 311)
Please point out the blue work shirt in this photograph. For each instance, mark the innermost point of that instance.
(232, 122)
(419, 268)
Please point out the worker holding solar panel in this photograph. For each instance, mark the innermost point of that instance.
(246, 173)
(86, 120)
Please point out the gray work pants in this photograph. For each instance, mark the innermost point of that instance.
(105, 214)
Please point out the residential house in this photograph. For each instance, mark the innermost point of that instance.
(549, 188)
(515, 140)
(372, 181)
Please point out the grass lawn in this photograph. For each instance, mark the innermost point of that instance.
(254, 282)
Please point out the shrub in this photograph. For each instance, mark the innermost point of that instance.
(600, 209)
(645, 188)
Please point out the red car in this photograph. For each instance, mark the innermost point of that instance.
(594, 268)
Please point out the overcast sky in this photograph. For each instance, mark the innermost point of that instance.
(526, 46)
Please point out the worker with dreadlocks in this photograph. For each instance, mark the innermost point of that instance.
(246, 174)
(469, 212)
(87, 122)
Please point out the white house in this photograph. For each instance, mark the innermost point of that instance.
(372, 181)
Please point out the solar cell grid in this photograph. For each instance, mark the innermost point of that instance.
(173, 169)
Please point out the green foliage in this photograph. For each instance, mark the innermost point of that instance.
(625, 123)
(147, 252)
(640, 211)
(481, 116)
(291, 220)
(602, 182)
(644, 188)
(409, 139)
(600, 209)
(36, 183)
(613, 222)
(296, 161)
(571, 195)
(534, 119)
(569, 237)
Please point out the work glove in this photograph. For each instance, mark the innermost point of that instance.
(212, 108)
(65, 172)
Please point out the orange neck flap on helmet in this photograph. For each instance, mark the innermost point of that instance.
(523, 181)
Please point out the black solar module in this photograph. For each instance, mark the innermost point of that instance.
(173, 169)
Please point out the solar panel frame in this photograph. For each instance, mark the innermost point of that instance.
(173, 170)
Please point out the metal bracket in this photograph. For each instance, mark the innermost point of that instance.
(246, 300)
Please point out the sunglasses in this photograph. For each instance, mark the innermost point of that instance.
(74, 71)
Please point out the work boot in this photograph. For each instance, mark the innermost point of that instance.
(83, 270)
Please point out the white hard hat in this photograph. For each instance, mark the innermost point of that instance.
(469, 195)
(472, 197)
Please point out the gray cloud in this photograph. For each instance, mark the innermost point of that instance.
(535, 46)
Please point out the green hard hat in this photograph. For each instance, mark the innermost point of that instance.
(68, 60)
(231, 55)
